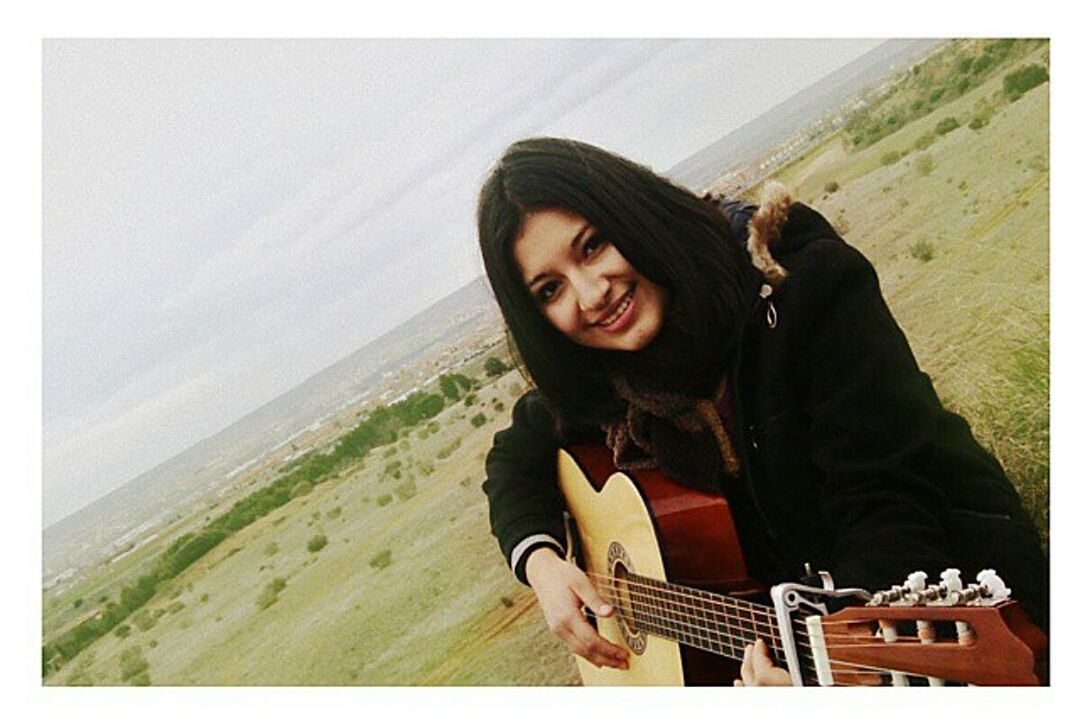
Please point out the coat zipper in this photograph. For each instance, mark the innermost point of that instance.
(743, 429)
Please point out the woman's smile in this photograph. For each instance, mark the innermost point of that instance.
(583, 284)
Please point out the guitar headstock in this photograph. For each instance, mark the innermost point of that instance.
(941, 633)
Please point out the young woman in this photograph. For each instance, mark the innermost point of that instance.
(739, 348)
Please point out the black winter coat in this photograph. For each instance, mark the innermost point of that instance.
(850, 461)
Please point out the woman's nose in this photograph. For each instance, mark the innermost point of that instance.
(593, 293)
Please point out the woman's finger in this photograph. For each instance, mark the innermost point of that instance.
(598, 650)
(747, 668)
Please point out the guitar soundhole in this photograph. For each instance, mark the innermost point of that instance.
(621, 574)
(621, 590)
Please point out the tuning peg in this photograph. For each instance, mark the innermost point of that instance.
(992, 587)
(950, 579)
(916, 582)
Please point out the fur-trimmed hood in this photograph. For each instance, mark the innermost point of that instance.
(772, 228)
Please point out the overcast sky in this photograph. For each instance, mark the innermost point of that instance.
(223, 219)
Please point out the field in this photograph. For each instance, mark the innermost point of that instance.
(385, 572)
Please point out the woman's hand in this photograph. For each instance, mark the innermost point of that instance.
(758, 670)
(562, 590)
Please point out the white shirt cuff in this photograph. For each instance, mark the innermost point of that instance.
(525, 544)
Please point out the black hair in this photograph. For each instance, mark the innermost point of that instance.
(678, 240)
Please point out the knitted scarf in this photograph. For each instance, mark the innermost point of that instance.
(676, 430)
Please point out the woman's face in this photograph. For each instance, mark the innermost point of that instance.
(584, 286)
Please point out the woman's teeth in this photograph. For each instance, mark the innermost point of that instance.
(619, 310)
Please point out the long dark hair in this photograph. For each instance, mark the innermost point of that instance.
(678, 240)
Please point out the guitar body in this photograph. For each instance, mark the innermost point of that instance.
(652, 527)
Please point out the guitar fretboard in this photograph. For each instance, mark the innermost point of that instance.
(712, 622)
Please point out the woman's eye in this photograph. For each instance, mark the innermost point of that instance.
(546, 292)
(592, 244)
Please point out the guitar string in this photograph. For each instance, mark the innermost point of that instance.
(742, 628)
(834, 664)
(714, 634)
(610, 583)
(740, 623)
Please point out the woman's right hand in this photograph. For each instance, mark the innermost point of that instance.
(562, 589)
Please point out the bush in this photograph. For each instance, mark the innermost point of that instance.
(384, 499)
(890, 158)
(946, 126)
(447, 450)
(301, 488)
(470, 400)
(405, 490)
(495, 367)
(270, 592)
(334, 513)
(498, 406)
(924, 164)
(144, 620)
(977, 123)
(1017, 83)
(832, 186)
(316, 543)
(478, 420)
(922, 250)
(132, 663)
(925, 141)
(122, 631)
(77, 603)
(271, 549)
(382, 560)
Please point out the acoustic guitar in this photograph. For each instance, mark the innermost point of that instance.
(668, 560)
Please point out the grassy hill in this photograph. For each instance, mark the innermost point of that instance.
(385, 572)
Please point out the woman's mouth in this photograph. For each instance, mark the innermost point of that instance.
(620, 316)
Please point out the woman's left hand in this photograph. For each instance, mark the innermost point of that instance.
(758, 670)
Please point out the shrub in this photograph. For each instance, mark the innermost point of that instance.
(132, 663)
(301, 488)
(470, 400)
(1017, 83)
(946, 126)
(433, 427)
(77, 603)
(405, 490)
(382, 560)
(316, 543)
(270, 592)
(977, 123)
(334, 513)
(384, 499)
(447, 450)
(922, 250)
(122, 631)
(498, 406)
(890, 158)
(144, 620)
(495, 367)
(832, 186)
(204, 597)
(924, 164)
(478, 420)
(925, 141)
(271, 549)
(175, 608)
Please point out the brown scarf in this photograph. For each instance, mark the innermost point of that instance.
(683, 435)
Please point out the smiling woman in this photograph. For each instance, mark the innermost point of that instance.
(746, 352)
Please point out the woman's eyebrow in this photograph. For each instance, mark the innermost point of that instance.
(573, 246)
